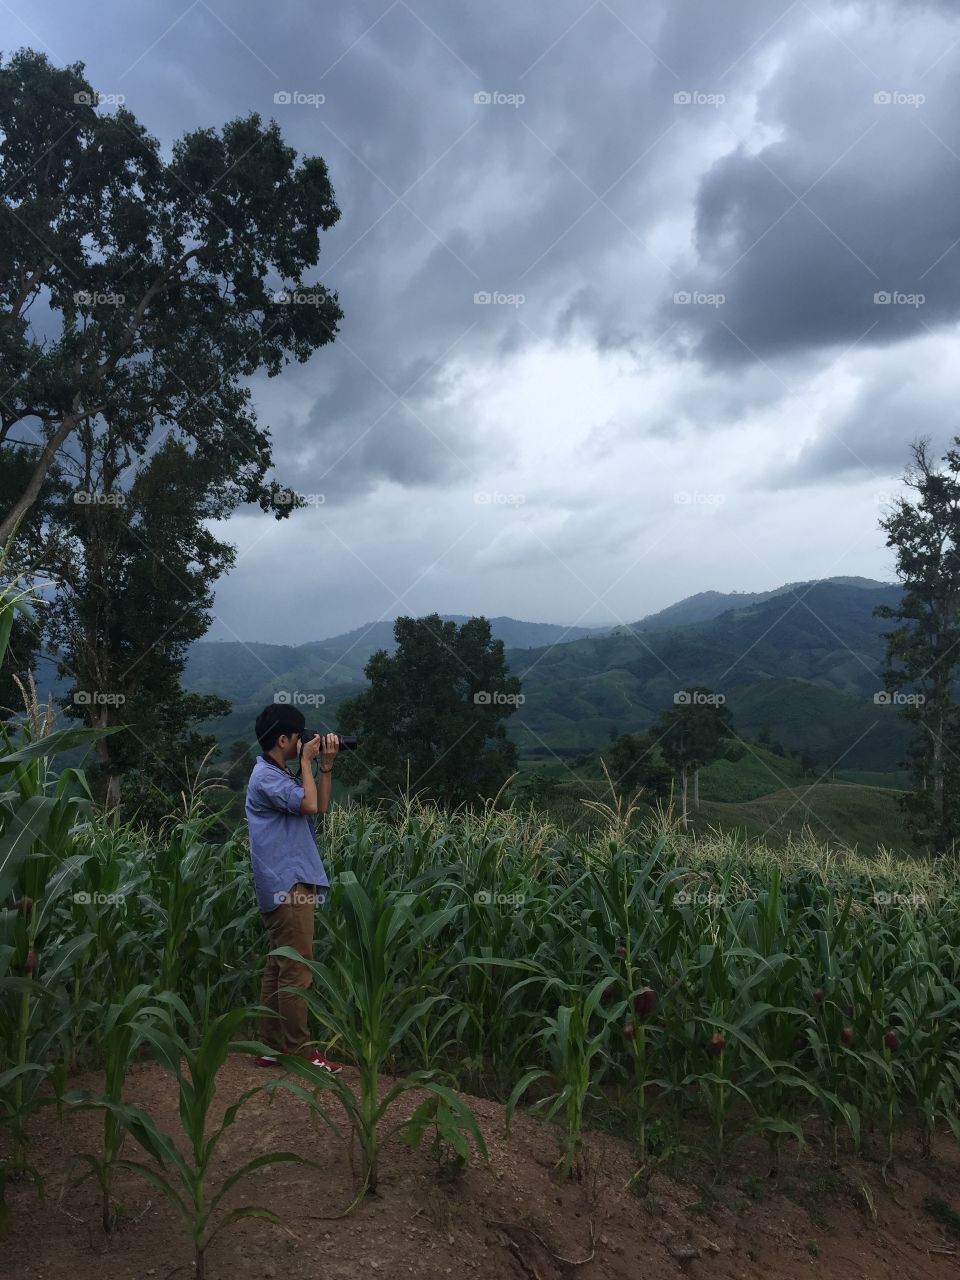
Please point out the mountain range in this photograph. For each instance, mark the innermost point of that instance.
(801, 661)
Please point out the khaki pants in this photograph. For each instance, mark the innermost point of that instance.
(288, 925)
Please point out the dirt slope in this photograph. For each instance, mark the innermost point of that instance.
(511, 1219)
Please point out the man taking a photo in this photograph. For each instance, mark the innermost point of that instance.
(288, 874)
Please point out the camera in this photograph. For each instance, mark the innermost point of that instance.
(346, 744)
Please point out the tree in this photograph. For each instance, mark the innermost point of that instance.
(152, 278)
(136, 577)
(535, 788)
(635, 764)
(692, 733)
(431, 718)
(924, 651)
(157, 286)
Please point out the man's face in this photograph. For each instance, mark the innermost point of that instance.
(290, 745)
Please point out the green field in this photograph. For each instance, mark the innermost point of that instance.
(777, 984)
(761, 797)
(863, 818)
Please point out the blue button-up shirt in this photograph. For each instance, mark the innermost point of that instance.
(283, 847)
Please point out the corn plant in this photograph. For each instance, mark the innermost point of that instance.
(184, 1180)
(368, 995)
(918, 1034)
(738, 1009)
(454, 1125)
(365, 1113)
(120, 1031)
(39, 815)
(573, 1048)
(502, 921)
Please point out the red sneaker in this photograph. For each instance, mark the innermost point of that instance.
(265, 1060)
(318, 1060)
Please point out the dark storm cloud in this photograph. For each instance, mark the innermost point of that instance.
(857, 199)
(443, 198)
(502, 210)
(597, 200)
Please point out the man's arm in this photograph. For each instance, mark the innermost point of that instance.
(309, 803)
(331, 745)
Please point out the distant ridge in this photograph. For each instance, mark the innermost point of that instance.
(245, 670)
(706, 605)
(514, 633)
(762, 649)
(805, 662)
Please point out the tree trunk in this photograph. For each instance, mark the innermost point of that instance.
(32, 491)
(683, 799)
(112, 793)
(696, 788)
(937, 767)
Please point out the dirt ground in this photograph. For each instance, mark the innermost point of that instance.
(510, 1218)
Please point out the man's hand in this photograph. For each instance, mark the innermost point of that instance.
(331, 745)
(310, 750)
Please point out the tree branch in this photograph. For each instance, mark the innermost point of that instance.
(30, 282)
(108, 365)
(30, 494)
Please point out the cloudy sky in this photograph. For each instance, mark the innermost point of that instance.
(640, 299)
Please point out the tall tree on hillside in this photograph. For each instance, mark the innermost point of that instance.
(694, 732)
(136, 574)
(431, 718)
(923, 652)
(635, 764)
(161, 285)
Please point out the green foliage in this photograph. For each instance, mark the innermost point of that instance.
(534, 788)
(160, 301)
(38, 816)
(430, 722)
(923, 651)
(377, 984)
(636, 764)
(573, 1046)
(136, 586)
(454, 1127)
(120, 1033)
(184, 1179)
(695, 731)
(158, 294)
(20, 654)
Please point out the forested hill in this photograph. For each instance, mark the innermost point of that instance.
(804, 663)
(824, 632)
(247, 671)
(710, 604)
